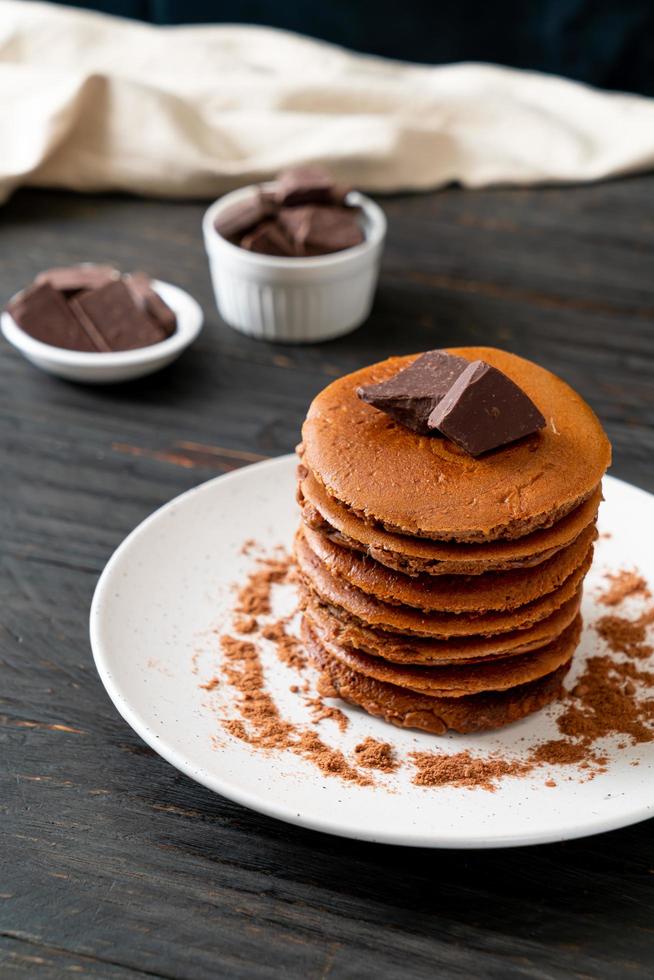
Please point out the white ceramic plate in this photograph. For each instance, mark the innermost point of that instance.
(124, 365)
(169, 585)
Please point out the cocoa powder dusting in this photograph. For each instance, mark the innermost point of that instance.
(464, 770)
(627, 635)
(320, 711)
(253, 598)
(372, 754)
(603, 703)
(244, 624)
(266, 728)
(288, 647)
(261, 723)
(328, 760)
(624, 583)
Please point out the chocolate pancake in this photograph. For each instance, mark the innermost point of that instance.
(419, 556)
(339, 594)
(346, 631)
(427, 486)
(409, 709)
(458, 680)
(493, 591)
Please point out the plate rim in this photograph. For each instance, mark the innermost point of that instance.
(595, 824)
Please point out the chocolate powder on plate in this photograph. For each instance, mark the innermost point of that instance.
(321, 711)
(464, 770)
(604, 702)
(254, 597)
(288, 647)
(244, 624)
(329, 760)
(372, 754)
(623, 584)
(262, 724)
(627, 635)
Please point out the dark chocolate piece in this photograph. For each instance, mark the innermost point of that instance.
(319, 230)
(307, 185)
(87, 323)
(411, 396)
(140, 286)
(484, 409)
(269, 239)
(241, 218)
(70, 279)
(114, 314)
(43, 313)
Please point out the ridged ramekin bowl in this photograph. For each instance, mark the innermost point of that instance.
(295, 300)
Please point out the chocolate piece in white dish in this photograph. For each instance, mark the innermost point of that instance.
(140, 286)
(268, 239)
(241, 218)
(318, 230)
(93, 309)
(44, 314)
(303, 214)
(112, 312)
(71, 279)
(308, 185)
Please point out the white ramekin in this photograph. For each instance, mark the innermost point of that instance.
(125, 365)
(294, 300)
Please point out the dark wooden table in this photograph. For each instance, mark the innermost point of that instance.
(114, 865)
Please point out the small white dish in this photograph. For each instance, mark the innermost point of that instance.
(124, 365)
(166, 594)
(294, 300)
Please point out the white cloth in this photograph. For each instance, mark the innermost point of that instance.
(92, 102)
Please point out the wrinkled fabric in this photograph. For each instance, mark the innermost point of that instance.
(93, 103)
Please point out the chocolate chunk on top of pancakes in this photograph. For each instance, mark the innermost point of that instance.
(474, 404)
(412, 394)
(484, 409)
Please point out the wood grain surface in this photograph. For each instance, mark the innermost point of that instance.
(114, 865)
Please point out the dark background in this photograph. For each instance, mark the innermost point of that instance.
(113, 864)
(609, 43)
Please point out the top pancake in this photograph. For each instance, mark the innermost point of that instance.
(429, 487)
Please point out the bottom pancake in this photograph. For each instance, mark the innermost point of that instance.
(408, 709)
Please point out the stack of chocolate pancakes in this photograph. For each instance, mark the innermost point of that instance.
(441, 590)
